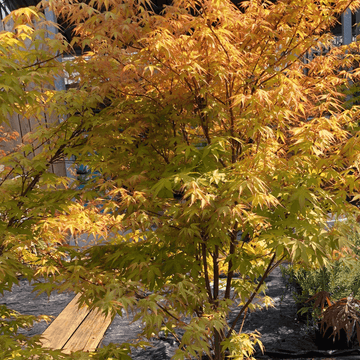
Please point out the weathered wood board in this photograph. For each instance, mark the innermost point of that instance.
(76, 329)
(23, 125)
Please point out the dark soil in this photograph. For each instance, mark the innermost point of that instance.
(281, 333)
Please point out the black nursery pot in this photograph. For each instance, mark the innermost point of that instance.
(326, 341)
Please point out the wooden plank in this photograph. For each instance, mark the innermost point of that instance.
(25, 128)
(34, 124)
(63, 327)
(14, 122)
(14, 126)
(88, 336)
(59, 168)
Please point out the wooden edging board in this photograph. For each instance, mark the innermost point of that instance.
(76, 329)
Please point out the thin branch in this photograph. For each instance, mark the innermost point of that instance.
(215, 257)
(251, 298)
(58, 154)
(206, 272)
(230, 272)
(161, 154)
(7, 176)
(209, 25)
(167, 311)
(243, 321)
(42, 62)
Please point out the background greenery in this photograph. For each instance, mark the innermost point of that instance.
(340, 277)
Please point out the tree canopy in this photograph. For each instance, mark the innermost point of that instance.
(215, 148)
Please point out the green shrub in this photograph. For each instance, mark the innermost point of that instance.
(340, 277)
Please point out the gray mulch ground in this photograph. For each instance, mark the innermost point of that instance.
(282, 334)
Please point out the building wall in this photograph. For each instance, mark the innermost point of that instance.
(23, 125)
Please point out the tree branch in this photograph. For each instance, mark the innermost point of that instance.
(251, 298)
(206, 272)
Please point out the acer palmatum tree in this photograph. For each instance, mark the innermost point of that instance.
(216, 152)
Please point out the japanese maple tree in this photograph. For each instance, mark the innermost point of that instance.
(217, 151)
